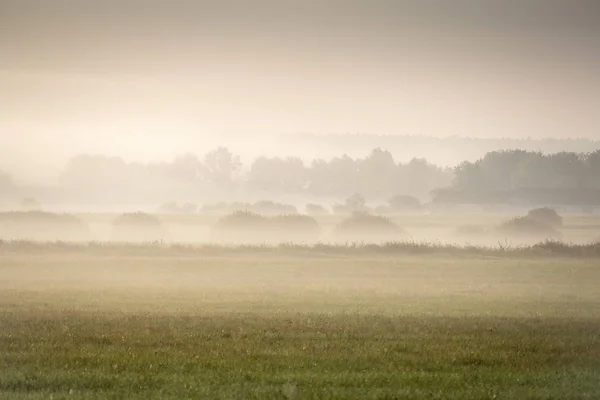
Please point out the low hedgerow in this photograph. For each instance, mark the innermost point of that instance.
(547, 248)
(138, 226)
(43, 226)
(527, 227)
(364, 227)
(249, 227)
(547, 216)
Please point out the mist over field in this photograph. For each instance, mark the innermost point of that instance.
(281, 199)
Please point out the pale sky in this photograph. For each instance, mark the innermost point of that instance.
(151, 77)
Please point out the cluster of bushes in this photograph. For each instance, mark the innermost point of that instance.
(355, 203)
(316, 210)
(538, 224)
(138, 226)
(365, 227)
(250, 227)
(43, 226)
(265, 207)
(174, 208)
(395, 205)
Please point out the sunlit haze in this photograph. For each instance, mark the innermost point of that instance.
(150, 79)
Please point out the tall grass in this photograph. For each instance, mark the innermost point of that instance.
(547, 248)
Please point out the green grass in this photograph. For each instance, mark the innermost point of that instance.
(283, 325)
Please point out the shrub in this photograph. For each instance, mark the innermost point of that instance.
(528, 227)
(249, 227)
(240, 226)
(353, 204)
(316, 210)
(138, 226)
(217, 208)
(43, 226)
(363, 227)
(174, 208)
(295, 227)
(267, 207)
(546, 215)
(403, 203)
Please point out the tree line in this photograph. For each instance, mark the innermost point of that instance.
(377, 175)
(500, 177)
(513, 176)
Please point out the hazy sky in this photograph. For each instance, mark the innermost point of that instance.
(105, 74)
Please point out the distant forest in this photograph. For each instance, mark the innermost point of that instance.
(443, 151)
(499, 177)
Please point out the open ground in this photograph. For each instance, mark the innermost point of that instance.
(285, 322)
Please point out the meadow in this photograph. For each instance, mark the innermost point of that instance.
(292, 322)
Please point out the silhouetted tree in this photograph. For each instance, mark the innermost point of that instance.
(278, 175)
(7, 185)
(220, 166)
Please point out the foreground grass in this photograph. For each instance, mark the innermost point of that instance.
(297, 356)
(244, 325)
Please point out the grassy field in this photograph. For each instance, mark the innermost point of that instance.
(284, 323)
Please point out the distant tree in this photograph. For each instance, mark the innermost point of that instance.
(353, 204)
(186, 168)
(592, 175)
(7, 186)
(319, 178)
(221, 166)
(316, 210)
(342, 175)
(534, 171)
(376, 173)
(278, 175)
(568, 170)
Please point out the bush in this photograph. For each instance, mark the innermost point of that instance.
(295, 227)
(249, 227)
(267, 207)
(138, 226)
(241, 226)
(316, 210)
(546, 215)
(43, 226)
(363, 227)
(174, 208)
(402, 203)
(528, 227)
(353, 204)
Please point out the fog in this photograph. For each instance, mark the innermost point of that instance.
(195, 111)
(149, 80)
